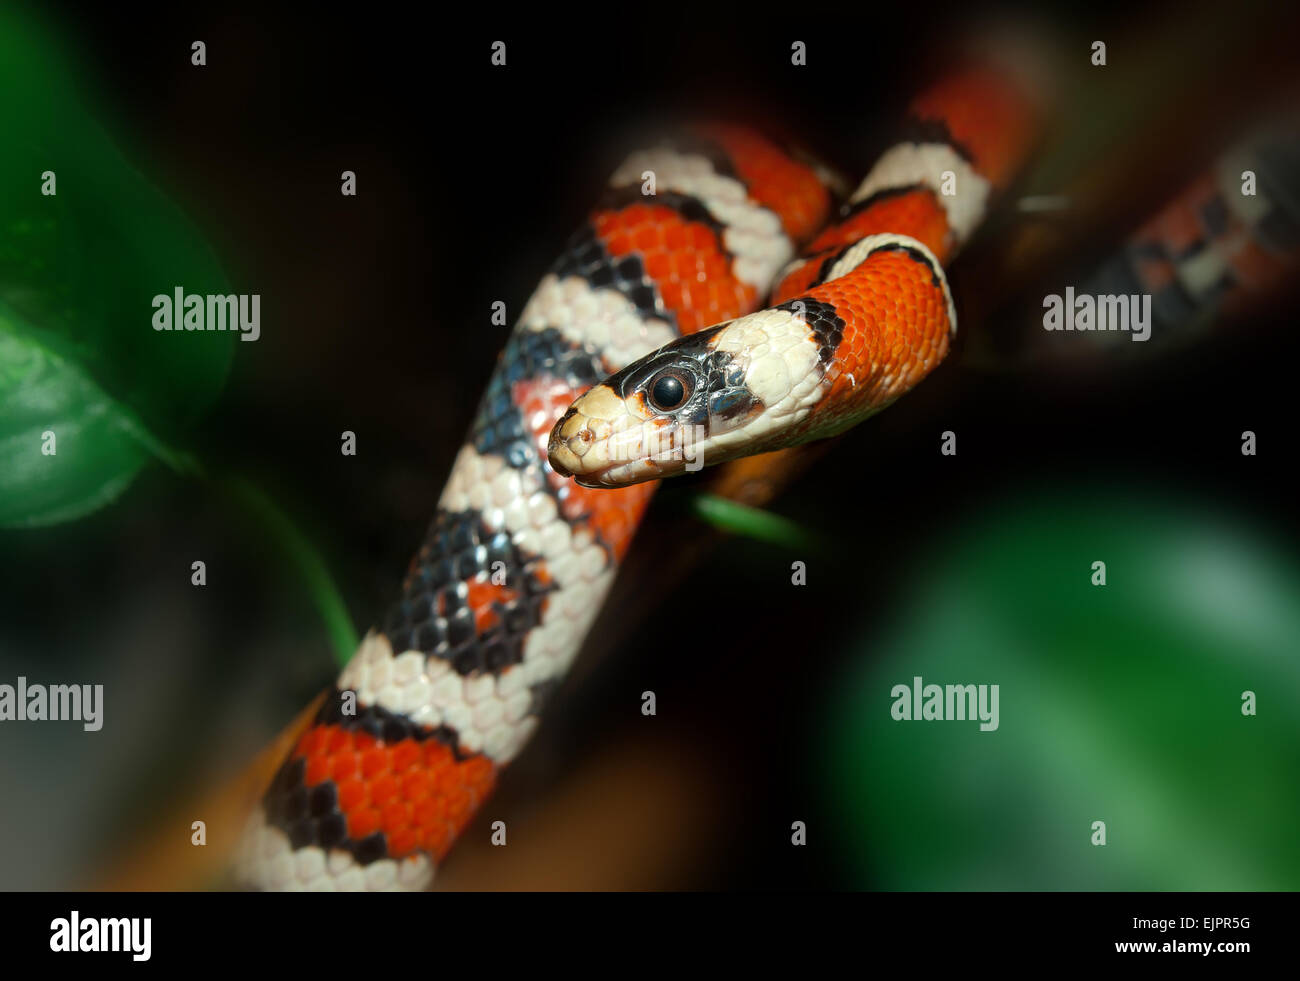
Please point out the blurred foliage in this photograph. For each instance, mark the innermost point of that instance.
(751, 522)
(78, 353)
(1120, 703)
(78, 271)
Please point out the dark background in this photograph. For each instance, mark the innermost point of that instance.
(375, 318)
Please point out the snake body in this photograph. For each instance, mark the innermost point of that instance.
(1212, 252)
(858, 321)
(517, 560)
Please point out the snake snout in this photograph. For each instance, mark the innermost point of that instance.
(571, 427)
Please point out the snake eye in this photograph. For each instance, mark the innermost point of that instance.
(670, 389)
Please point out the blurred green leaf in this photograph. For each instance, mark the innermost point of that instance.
(750, 522)
(1119, 703)
(79, 357)
(97, 443)
(302, 557)
(78, 272)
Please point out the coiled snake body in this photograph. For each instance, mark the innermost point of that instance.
(519, 557)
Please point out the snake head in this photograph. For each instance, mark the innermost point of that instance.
(699, 400)
(652, 419)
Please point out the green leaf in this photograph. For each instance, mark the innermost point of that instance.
(78, 272)
(300, 555)
(96, 449)
(755, 523)
(1120, 703)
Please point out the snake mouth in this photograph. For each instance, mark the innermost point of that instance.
(571, 441)
(563, 460)
(608, 441)
(579, 445)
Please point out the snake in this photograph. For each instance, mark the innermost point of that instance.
(856, 322)
(866, 313)
(650, 313)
